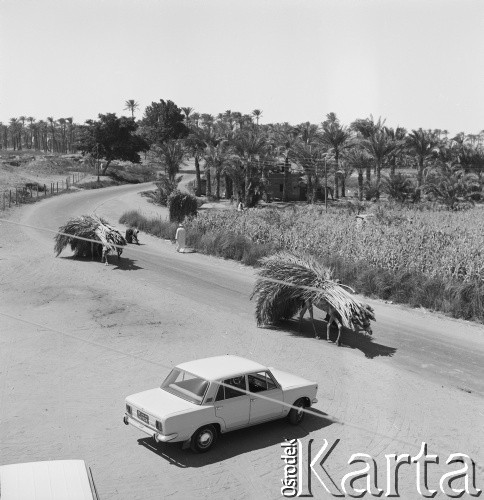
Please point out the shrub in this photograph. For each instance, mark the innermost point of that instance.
(165, 186)
(155, 226)
(398, 187)
(34, 186)
(181, 205)
(371, 191)
(97, 184)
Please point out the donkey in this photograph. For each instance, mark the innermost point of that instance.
(334, 317)
(106, 252)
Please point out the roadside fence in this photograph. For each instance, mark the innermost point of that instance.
(34, 191)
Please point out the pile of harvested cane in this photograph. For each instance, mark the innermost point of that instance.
(287, 281)
(89, 236)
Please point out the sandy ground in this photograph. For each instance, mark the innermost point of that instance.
(77, 337)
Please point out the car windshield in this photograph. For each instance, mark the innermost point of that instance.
(185, 385)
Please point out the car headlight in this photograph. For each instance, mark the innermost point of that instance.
(159, 426)
(129, 409)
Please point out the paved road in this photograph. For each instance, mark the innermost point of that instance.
(120, 327)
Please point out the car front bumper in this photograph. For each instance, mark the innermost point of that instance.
(159, 438)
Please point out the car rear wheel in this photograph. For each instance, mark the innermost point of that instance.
(296, 415)
(204, 439)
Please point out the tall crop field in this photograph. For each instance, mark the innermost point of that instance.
(435, 244)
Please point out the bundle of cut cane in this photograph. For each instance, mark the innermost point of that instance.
(87, 235)
(288, 281)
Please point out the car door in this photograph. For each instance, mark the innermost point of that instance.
(266, 407)
(232, 405)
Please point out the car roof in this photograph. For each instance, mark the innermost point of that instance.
(49, 480)
(221, 367)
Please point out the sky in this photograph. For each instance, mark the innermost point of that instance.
(415, 63)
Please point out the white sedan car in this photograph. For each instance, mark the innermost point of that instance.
(202, 398)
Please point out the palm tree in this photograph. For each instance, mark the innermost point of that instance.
(257, 113)
(216, 155)
(380, 147)
(51, 120)
(31, 121)
(358, 158)
(310, 157)
(63, 125)
(398, 137)
(450, 183)
(229, 118)
(248, 144)
(196, 119)
(42, 133)
(422, 144)
(366, 127)
(14, 128)
(308, 133)
(337, 138)
(188, 111)
(70, 124)
(131, 105)
(207, 120)
(172, 154)
(195, 146)
(285, 137)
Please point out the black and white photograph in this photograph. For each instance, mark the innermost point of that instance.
(241, 249)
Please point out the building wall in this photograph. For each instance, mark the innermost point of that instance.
(276, 183)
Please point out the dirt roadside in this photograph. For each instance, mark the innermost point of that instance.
(85, 336)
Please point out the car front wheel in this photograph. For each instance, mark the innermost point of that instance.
(296, 415)
(204, 439)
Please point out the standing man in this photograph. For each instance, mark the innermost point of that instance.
(180, 238)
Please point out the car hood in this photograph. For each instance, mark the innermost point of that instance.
(288, 380)
(159, 402)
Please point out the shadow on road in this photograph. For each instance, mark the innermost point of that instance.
(365, 343)
(125, 264)
(239, 442)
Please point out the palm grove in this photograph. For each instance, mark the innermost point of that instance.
(235, 155)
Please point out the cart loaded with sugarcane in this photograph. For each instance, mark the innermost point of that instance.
(291, 283)
(90, 236)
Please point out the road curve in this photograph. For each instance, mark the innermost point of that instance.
(87, 335)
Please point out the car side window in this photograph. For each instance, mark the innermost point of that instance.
(260, 381)
(230, 388)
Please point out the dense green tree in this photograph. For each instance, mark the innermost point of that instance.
(112, 138)
(163, 121)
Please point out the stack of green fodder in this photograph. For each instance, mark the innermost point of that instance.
(87, 235)
(288, 280)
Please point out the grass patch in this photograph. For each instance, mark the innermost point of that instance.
(155, 226)
(97, 184)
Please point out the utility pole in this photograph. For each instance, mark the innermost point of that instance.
(325, 185)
